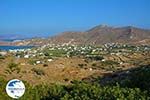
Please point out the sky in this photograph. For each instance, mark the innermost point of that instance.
(50, 17)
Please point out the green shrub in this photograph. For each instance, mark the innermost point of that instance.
(3, 95)
(2, 57)
(84, 91)
(45, 65)
(32, 62)
(136, 88)
(109, 62)
(82, 65)
(96, 57)
(13, 67)
(140, 78)
(38, 71)
(94, 64)
(77, 91)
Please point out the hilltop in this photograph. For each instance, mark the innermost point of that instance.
(95, 36)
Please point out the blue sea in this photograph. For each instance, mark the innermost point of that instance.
(6, 48)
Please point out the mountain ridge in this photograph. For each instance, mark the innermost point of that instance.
(103, 34)
(97, 35)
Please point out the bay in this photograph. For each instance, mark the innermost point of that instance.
(6, 48)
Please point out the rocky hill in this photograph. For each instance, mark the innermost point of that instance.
(105, 34)
(98, 35)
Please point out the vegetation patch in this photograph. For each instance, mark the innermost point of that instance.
(12, 67)
(2, 57)
(38, 71)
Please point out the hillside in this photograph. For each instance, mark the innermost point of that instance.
(105, 34)
(98, 35)
(71, 72)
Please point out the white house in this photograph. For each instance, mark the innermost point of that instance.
(26, 56)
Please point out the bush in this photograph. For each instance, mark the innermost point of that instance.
(13, 67)
(82, 65)
(45, 65)
(94, 64)
(32, 62)
(85, 91)
(96, 57)
(139, 77)
(109, 62)
(3, 95)
(77, 91)
(135, 89)
(38, 71)
(1, 57)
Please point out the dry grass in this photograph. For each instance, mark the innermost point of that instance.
(64, 70)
